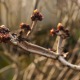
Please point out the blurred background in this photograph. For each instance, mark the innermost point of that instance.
(16, 64)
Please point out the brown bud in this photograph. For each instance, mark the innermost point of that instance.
(52, 32)
(36, 15)
(25, 26)
(4, 37)
(4, 34)
(60, 26)
(4, 29)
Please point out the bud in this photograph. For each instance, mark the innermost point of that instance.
(36, 16)
(60, 26)
(4, 34)
(36, 11)
(52, 32)
(4, 29)
(25, 26)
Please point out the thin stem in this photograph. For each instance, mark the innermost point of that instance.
(32, 26)
(59, 48)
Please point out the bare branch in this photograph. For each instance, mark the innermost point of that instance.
(44, 52)
(6, 36)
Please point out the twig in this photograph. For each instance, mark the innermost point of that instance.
(32, 26)
(59, 49)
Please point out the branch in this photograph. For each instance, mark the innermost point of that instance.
(6, 36)
(35, 49)
(32, 26)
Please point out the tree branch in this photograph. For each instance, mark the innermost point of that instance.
(35, 49)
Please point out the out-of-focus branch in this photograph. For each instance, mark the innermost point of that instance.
(6, 68)
(36, 4)
(31, 68)
(15, 65)
(44, 69)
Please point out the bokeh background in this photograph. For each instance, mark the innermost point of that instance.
(15, 64)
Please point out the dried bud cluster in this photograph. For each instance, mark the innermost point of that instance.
(60, 28)
(4, 34)
(36, 16)
(25, 26)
